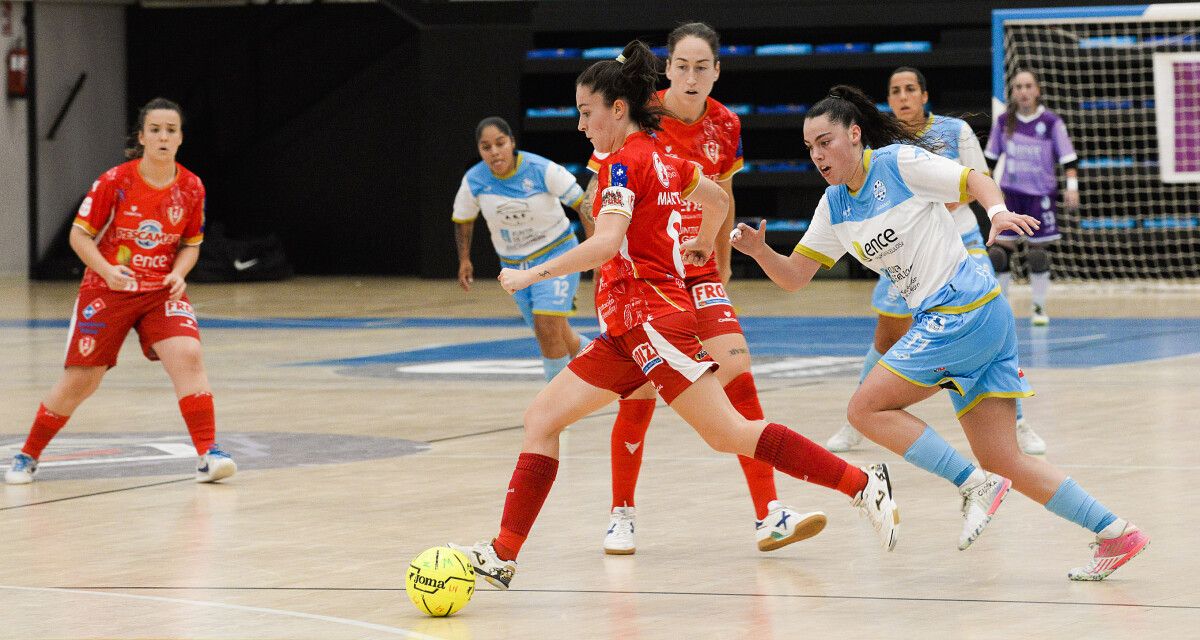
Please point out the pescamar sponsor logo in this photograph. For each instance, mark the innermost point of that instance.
(707, 294)
(148, 235)
(646, 357)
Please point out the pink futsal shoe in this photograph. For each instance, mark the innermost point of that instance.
(1112, 554)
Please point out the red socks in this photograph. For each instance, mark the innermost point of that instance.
(628, 434)
(197, 410)
(527, 491)
(760, 476)
(45, 427)
(802, 458)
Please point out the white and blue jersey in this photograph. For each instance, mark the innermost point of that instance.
(953, 139)
(522, 208)
(527, 224)
(898, 225)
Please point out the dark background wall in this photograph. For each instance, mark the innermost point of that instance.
(346, 128)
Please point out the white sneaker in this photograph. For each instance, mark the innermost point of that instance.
(1029, 441)
(618, 541)
(875, 501)
(980, 501)
(845, 439)
(1038, 316)
(499, 573)
(22, 469)
(215, 465)
(784, 525)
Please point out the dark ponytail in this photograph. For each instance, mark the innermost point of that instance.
(1010, 110)
(847, 105)
(633, 78)
(133, 149)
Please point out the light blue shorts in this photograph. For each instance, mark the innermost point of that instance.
(553, 297)
(973, 354)
(886, 299)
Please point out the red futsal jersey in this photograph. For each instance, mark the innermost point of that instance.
(139, 226)
(644, 280)
(715, 143)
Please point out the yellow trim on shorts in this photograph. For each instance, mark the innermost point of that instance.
(825, 260)
(963, 196)
(540, 252)
(971, 306)
(737, 166)
(560, 314)
(888, 314)
(994, 394)
(957, 387)
(977, 252)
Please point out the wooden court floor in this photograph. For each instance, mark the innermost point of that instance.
(317, 547)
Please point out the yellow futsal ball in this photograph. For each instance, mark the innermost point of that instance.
(440, 581)
(124, 255)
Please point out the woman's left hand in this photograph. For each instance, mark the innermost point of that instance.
(1009, 221)
(176, 284)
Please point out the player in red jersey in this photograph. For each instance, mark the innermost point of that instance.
(704, 131)
(647, 320)
(139, 232)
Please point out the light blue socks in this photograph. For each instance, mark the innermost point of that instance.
(933, 454)
(552, 366)
(1071, 502)
(873, 356)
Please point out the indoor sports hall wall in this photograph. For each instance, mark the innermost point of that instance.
(14, 163)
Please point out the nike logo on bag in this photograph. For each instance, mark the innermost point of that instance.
(242, 266)
(632, 446)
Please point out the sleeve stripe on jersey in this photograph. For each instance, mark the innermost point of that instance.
(1070, 157)
(737, 166)
(193, 241)
(86, 227)
(963, 196)
(687, 191)
(825, 260)
(577, 202)
(593, 165)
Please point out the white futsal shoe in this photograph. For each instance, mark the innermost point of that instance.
(784, 525)
(875, 501)
(215, 465)
(1038, 317)
(618, 540)
(845, 439)
(499, 573)
(1029, 441)
(22, 469)
(980, 502)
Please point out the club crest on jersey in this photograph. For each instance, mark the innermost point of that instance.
(712, 151)
(707, 294)
(618, 175)
(1040, 129)
(646, 357)
(175, 213)
(660, 169)
(86, 345)
(879, 190)
(96, 306)
(180, 308)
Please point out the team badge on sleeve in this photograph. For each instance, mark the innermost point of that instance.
(618, 175)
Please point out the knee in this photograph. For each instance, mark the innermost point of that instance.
(999, 256)
(1039, 260)
(546, 328)
(859, 412)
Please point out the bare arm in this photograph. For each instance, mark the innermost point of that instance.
(714, 204)
(118, 277)
(988, 193)
(463, 231)
(185, 260)
(1071, 196)
(792, 272)
(724, 248)
(591, 253)
(585, 208)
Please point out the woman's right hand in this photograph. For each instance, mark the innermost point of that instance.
(120, 278)
(466, 274)
(749, 240)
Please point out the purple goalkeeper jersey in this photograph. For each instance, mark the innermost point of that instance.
(1032, 155)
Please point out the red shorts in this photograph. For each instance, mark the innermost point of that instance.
(714, 312)
(664, 351)
(103, 318)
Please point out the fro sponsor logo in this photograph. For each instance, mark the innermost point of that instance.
(646, 357)
(708, 294)
(879, 246)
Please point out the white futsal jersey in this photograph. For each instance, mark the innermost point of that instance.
(522, 208)
(957, 141)
(898, 225)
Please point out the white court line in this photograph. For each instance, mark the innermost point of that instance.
(236, 607)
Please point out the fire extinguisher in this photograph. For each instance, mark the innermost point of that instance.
(18, 70)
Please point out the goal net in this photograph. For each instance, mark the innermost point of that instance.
(1126, 81)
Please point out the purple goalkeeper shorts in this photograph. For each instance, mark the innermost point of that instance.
(1040, 207)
